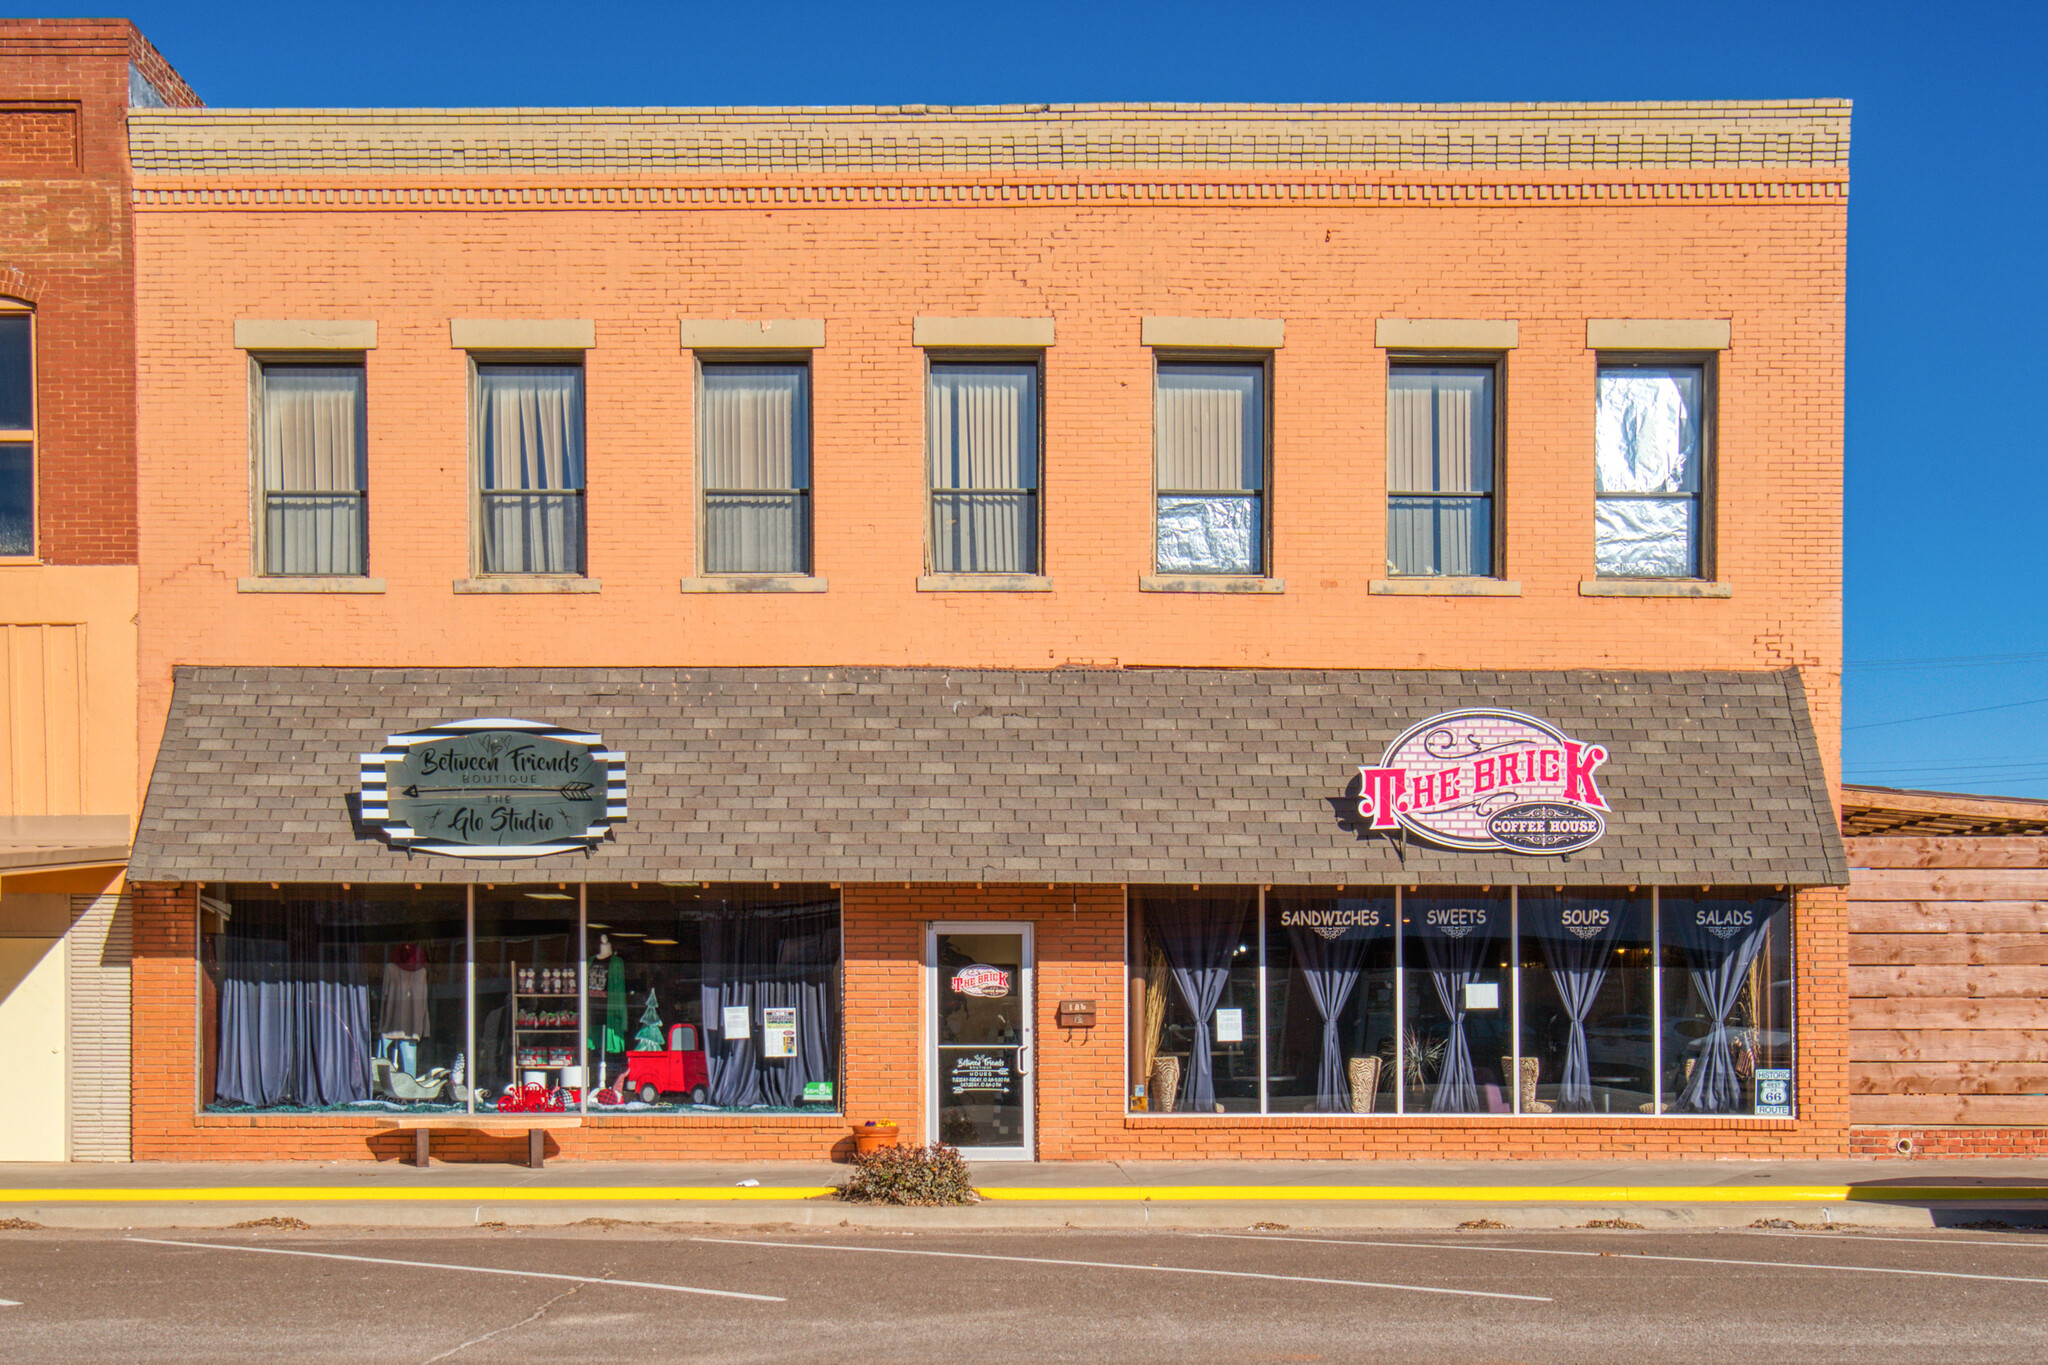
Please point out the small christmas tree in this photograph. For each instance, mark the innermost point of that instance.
(649, 1038)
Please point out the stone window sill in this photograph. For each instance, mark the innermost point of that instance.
(1653, 587)
(1196, 582)
(1444, 587)
(984, 582)
(756, 582)
(310, 584)
(529, 583)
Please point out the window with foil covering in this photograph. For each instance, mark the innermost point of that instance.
(754, 429)
(1441, 470)
(982, 452)
(1209, 453)
(1650, 450)
(314, 468)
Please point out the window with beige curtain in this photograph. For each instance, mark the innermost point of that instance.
(1440, 470)
(1209, 468)
(982, 455)
(754, 463)
(314, 470)
(1647, 466)
(529, 442)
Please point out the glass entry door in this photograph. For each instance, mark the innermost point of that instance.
(980, 1000)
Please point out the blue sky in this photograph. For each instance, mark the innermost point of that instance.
(1946, 560)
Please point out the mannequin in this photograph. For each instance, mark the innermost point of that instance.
(402, 1019)
(612, 1037)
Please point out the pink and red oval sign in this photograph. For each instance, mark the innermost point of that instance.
(1486, 779)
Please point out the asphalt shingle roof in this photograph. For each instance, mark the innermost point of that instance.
(929, 775)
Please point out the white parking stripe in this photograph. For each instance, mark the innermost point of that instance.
(1115, 1265)
(1634, 1256)
(1859, 1235)
(10, 1303)
(472, 1269)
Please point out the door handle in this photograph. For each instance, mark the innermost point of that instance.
(1024, 1059)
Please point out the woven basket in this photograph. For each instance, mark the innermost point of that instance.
(1365, 1082)
(1165, 1084)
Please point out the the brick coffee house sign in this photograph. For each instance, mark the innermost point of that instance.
(493, 789)
(1487, 779)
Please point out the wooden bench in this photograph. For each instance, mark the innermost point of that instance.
(536, 1127)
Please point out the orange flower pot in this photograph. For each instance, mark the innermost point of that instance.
(872, 1137)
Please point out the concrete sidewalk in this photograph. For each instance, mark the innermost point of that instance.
(1027, 1194)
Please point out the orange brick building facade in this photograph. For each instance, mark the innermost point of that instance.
(1094, 242)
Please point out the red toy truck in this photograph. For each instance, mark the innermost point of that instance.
(678, 1071)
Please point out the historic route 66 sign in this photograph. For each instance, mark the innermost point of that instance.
(494, 789)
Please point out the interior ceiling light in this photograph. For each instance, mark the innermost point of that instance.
(664, 942)
(595, 925)
(548, 896)
(627, 933)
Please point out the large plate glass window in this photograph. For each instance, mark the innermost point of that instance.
(1209, 444)
(982, 458)
(1650, 433)
(754, 427)
(17, 432)
(313, 462)
(1330, 1001)
(1440, 470)
(1456, 945)
(1588, 1001)
(1727, 987)
(530, 471)
(1202, 1021)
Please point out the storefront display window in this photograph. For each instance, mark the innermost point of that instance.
(1528, 1002)
(673, 999)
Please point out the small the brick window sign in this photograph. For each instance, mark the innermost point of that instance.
(1486, 779)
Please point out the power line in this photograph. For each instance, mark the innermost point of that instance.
(1945, 661)
(1944, 715)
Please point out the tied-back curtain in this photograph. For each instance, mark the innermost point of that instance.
(1720, 939)
(1331, 967)
(1647, 451)
(982, 458)
(529, 441)
(1209, 444)
(756, 468)
(1457, 939)
(759, 961)
(1198, 938)
(294, 1008)
(1578, 934)
(1440, 471)
(315, 470)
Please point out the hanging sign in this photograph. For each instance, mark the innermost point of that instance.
(1486, 779)
(990, 983)
(493, 789)
(778, 1032)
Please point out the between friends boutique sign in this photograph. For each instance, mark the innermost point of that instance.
(494, 789)
(1488, 779)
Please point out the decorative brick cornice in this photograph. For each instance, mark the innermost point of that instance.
(185, 194)
(994, 141)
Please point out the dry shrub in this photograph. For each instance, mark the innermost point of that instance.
(18, 1225)
(923, 1177)
(1480, 1225)
(1616, 1224)
(281, 1224)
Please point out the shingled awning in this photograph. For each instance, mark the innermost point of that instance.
(927, 775)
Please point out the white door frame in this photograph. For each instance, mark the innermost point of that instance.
(1027, 1053)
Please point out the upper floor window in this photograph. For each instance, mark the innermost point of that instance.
(1650, 457)
(17, 432)
(1209, 467)
(530, 474)
(1441, 470)
(982, 456)
(313, 470)
(754, 461)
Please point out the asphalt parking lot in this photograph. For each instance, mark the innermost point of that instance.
(690, 1293)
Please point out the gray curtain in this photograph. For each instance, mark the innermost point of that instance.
(754, 466)
(982, 459)
(1198, 938)
(1578, 955)
(1719, 950)
(766, 959)
(1209, 452)
(314, 467)
(529, 440)
(1440, 471)
(1647, 471)
(294, 1007)
(1331, 967)
(1455, 962)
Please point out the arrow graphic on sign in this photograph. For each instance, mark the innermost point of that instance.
(573, 791)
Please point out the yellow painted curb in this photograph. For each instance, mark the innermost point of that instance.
(1076, 1194)
(412, 1194)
